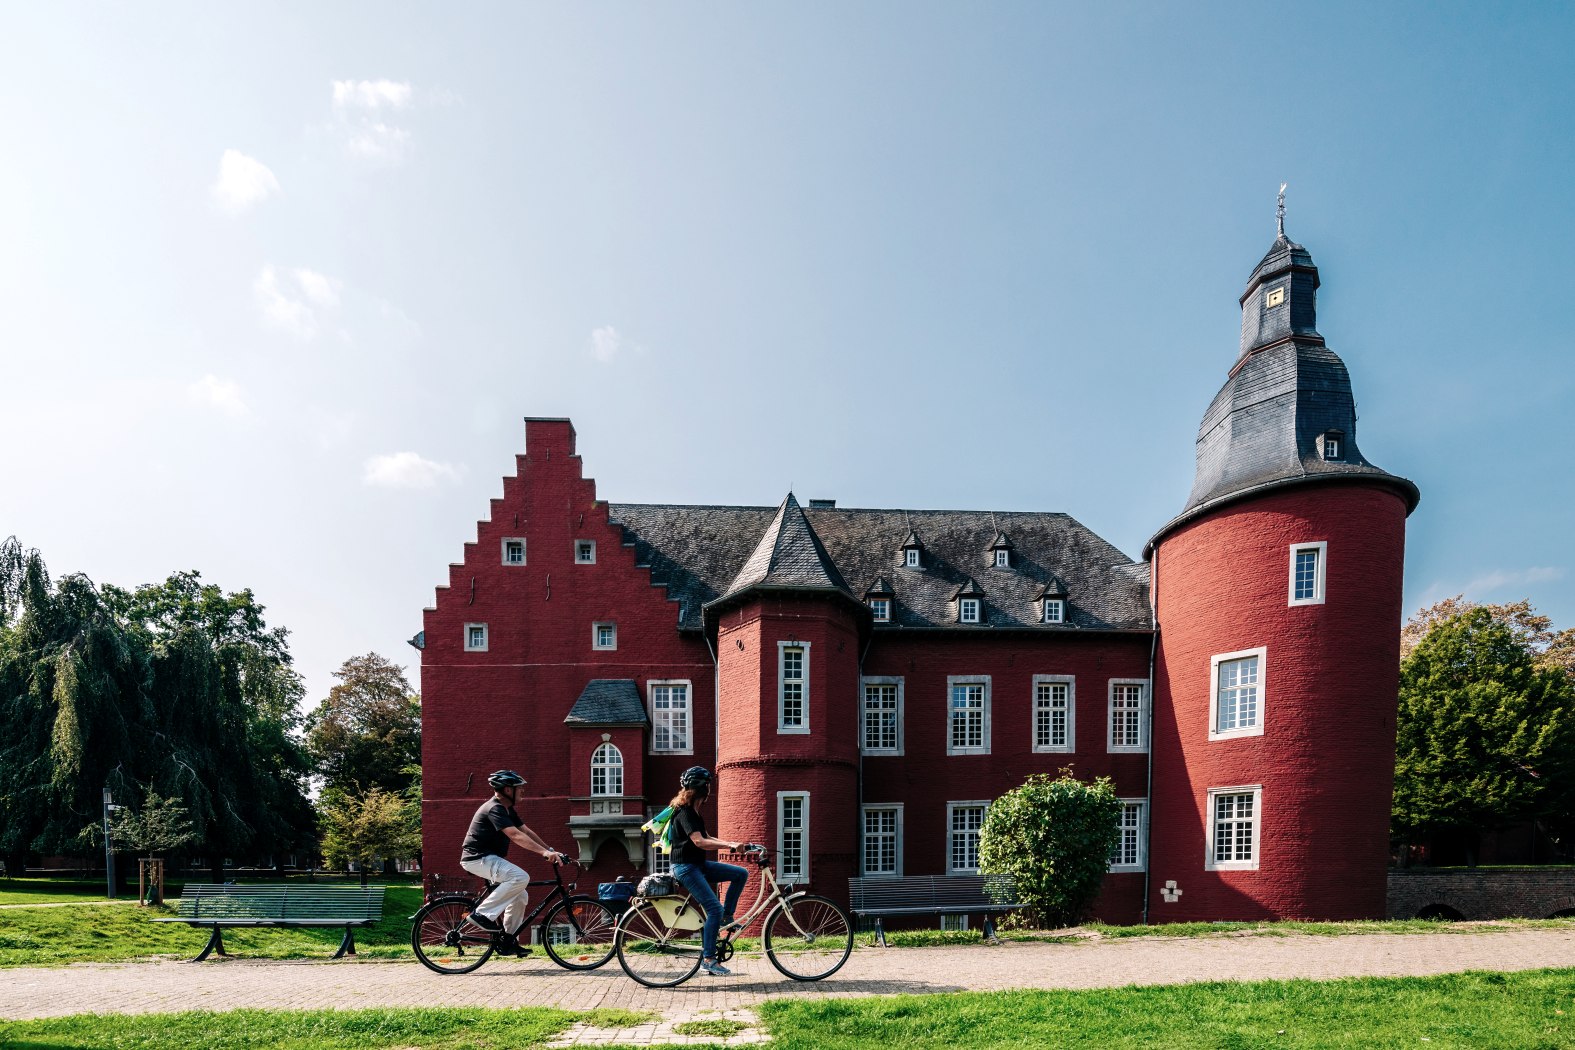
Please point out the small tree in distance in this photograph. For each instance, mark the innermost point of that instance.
(1053, 836)
(358, 828)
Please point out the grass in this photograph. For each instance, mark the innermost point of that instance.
(117, 932)
(1533, 1010)
(720, 1027)
(51, 891)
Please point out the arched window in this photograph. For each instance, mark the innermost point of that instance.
(607, 771)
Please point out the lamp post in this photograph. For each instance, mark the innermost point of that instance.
(109, 845)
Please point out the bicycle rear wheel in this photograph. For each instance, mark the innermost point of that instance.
(578, 933)
(807, 937)
(651, 954)
(444, 938)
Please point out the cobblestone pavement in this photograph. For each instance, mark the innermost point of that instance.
(300, 985)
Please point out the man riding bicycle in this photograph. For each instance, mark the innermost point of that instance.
(484, 855)
(700, 876)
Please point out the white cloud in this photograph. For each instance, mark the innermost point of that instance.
(364, 118)
(243, 182)
(295, 300)
(607, 343)
(407, 470)
(1498, 579)
(221, 394)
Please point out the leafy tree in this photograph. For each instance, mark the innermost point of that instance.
(368, 730)
(1054, 837)
(1486, 726)
(361, 826)
(162, 825)
(1548, 648)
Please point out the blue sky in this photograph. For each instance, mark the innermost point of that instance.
(277, 283)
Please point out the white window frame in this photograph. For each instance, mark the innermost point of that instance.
(864, 871)
(1003, 558)
(1144, 699)
(880, 609)
(910, 557)
(689, 714)
(486, 637)
(782, 872)
(578, 544)
(892, 680)
(1322, 548)
(952, 681)
(612, 766)
(1142, 834)
(504, 550)
(953, 921)
(1070, 682)
(782, 726)
(596, 635)
(967, 605)
(1256, 729)
(1211, 820)
(951, 808)
(1058, 605)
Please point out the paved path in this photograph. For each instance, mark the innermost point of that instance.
(229, 984)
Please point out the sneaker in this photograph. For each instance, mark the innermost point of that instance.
(715, 969)
(490, 925)
(508, 944)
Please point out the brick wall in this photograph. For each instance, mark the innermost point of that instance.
(1500, 893)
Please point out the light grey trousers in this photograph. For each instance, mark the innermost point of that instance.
(511, 896)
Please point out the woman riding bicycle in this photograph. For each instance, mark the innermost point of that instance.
(699, 875)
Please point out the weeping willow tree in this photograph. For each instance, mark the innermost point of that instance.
(176, 688)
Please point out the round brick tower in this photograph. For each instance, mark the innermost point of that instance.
(787, 641)
(1277, 599)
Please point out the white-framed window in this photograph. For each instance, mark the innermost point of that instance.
(475, 637)
(671, 723)
(604, 635)
(1054, 709)
(882, 845)
(967, 610)
(793, 835)
(968, 715)
(1128, 714)
(1237, 693)
(1307, 572)
(954, 920)
(910, 557)
(880, 609)
(1003, 559)
(1235, 816)
(1131, 852)
(1331, 444)
(514, 550)
(963, 821)
(792, 687)
(585, 552)
(880, 718)
(1055, 610)
(607, 770)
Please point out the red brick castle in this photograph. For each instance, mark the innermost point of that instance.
(865, 682)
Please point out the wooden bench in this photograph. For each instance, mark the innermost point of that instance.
(932, 895)
(277, 904)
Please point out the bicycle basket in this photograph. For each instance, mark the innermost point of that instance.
(658, 886)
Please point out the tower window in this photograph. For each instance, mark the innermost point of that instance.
(514, 551)
(1275, 297)
(1307, 573)
(1234, 817)
(1332, 444)
(1237, 694)
(793, 687)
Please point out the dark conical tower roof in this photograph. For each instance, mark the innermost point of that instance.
(789, 556)
(1286, 399)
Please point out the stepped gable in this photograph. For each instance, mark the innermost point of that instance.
(698, 552)
(1286, 394)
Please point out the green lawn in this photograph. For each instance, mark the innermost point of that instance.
(51, 891)
(100, 932)
(1534, 1010)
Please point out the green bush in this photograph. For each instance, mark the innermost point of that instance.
(1053, 836)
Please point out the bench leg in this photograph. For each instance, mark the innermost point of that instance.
(880, 932)
(346, 944)
(215, 944)
(989, 930)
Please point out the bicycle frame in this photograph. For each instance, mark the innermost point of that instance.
(680, 915)
(561, 892)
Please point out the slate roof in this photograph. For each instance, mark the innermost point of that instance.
(608, 702)
(699, 553)
(788, 556)
(1285, 392)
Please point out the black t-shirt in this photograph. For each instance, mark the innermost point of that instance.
(686, 821)
(485, 837)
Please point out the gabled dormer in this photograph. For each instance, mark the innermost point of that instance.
(1051, 600)
(968, 601)
(880, 597)
(1001, 552)
(911, 555)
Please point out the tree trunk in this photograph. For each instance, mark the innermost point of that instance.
(216, 870)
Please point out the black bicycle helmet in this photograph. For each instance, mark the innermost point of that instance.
(696, 776)
(504, 778)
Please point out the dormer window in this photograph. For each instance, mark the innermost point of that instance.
(968, 610)
(880, 609)
(910, 557)
(1001, 552)
(1003, 559)
(1055, 610)
(1332, 444)
(912, 551)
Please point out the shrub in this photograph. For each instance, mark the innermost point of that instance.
(1053, 836)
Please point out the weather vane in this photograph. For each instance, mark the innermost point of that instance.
(1279, 212)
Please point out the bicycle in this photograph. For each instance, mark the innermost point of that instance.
(806, 936)
(446, 940)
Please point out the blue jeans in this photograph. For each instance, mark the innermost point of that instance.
(698, 879)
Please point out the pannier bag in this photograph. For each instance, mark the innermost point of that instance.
(658, 886)
(615, 894)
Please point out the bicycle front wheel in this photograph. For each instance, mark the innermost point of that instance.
(808, 938)
(653, 955)
(578, 933)
(444, 938)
